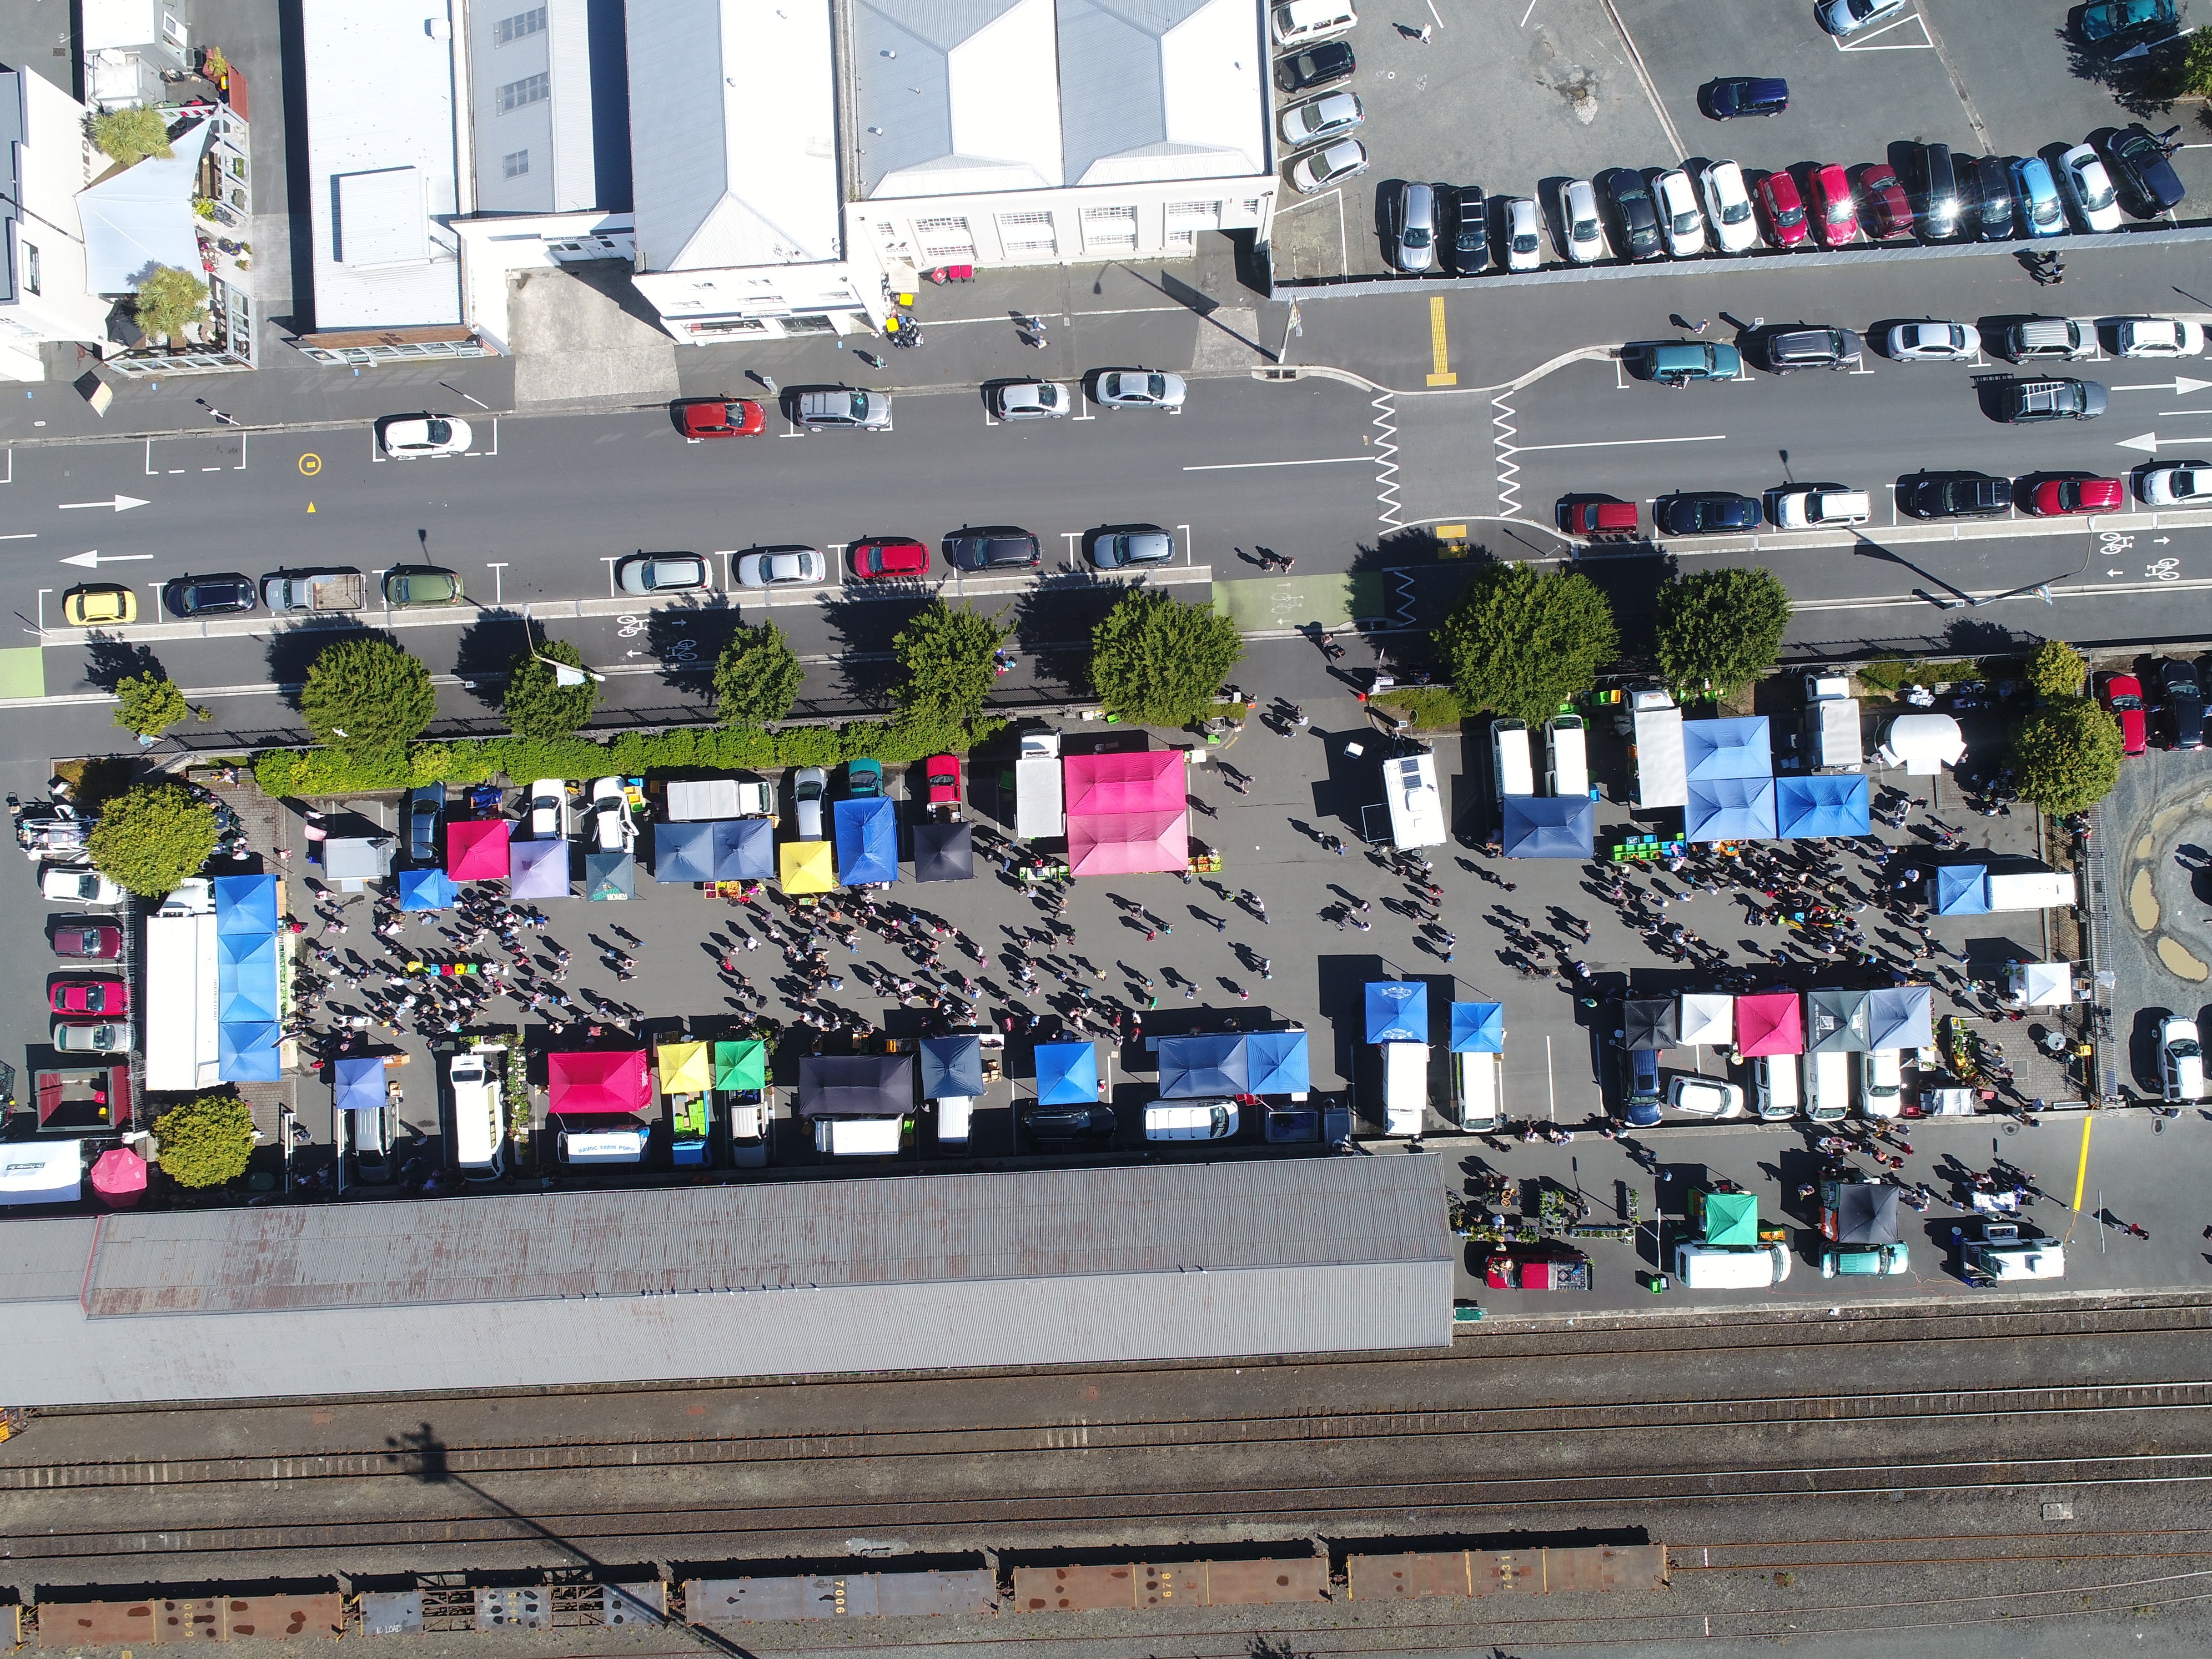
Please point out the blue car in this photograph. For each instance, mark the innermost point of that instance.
(1641, 1108)
(864, 779)
(2039, 206)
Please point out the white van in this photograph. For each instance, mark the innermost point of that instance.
(859, 1137)
(1405, 1088)
(604, 1145)
(1827, 1087)
(1509, 758)
(1881, 1082)
(1190, 1120)
(1302, 23)
(1417, 807)
(1721, 1267)
(479, 1130)
(1567, 759)
(953, 1113)
(1474, 1092)
(1774, 1082)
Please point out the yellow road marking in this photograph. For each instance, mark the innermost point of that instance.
(310, 464)
(1439, 353)
(2081, 1172)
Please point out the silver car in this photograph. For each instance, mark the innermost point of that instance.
(1320, 119)
(1578, 215)
(1030, 400)
(1523, 252)
(843, 406)
(1318, 169)
(1136, 544)
(647, 574)
(794, 567)
(1935, 342)
(1137, 388)
(1413, 223)
(105, 1038)
(808, 786)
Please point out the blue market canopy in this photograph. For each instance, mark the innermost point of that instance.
(1730, 809)
(868, 841)
(944, 851)
(1478, 1028)
(683, 852)
(1275, 1063)
(1066, 1074)
(247, 1051)
(1548, 827)
(244, 904)
(1962, 889)
(427, 889)
(744, 849)
(1397, 1011)
(1204, 1067)
(246, 976)
(1900, 1017)
(1829, 804)
(612, 875)
(1714, 749)
(358, 1084)
(951, 1067)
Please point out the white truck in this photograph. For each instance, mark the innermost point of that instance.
(859, 1137)
(2009, 1252)
(1831, 724)
(180, 1005)
(1040, 795)
(1656, 732)
(479, 1137)
(707, 800)
(1405, 1087)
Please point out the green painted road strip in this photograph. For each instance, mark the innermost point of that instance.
(1285, 605)
(23, 671)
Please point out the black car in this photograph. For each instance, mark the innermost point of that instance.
(1955, 495)
(1469, 230)
(1636, 232)
(1323, 65)
(1000, 548)
(2142, 171)
(2024, 402)
(1740, 95)
(1705, 513)
(228, 594)
(2184, 703)
(1060, 1125)
(1993, 213)
(1786, 350)
(423, 806)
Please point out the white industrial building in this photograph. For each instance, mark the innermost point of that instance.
(45, 161)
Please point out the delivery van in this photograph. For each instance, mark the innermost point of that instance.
(1881, 1082)
(1190, 1120)
(1509, 758)
(1723, 1268)
(1774, 1083)
(1474, 1092)
(1566, 757)
(859, 1137)
(1827, 1087)
(604, 1145)
(1405, 1088)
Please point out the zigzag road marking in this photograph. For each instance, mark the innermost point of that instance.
(1386, 466)
(1508, 470)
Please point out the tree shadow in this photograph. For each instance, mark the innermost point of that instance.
(487, 652)
(1052, 629)
(292, 651)
(866, 630)
(685, 640)
(2144, 86)
(1972, 638)
(108, 662)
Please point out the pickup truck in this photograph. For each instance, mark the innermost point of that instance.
(318, 591)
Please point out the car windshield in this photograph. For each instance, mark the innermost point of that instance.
(1788, 213)
(1735, 213)
(2045, 209)
(2127, 700)
(1417, 235)
(2182, 1048)
(2096, 191)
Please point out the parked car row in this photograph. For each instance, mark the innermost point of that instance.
(2181, 700)
(232, 593)
(827, 408)
(1786, 348)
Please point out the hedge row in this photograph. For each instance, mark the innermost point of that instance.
(315, 772)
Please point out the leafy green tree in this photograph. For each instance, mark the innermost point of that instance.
(1159, 661)
(169, 301)
(944, 656)
(131, 135)
(151, 837)
(1721, 630)
(148, 704)
(757, 676)
(207, 1141)
(368, 693)
(538, 705)
(2191, 76)
(1522, 643)
(2067, 755)
(2056, 670)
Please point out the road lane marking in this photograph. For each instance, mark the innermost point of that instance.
(1622, 443)
(1439, 347)
(1233, 466)
(2082, 1169)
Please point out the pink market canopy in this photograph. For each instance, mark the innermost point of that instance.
(1771, 1023)
(598, 1083)
(476, 849)
(1126, 812)
(119, 1178)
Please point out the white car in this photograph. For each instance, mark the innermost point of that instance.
(2089, 187)
(63, 884)
(1302, 23)
(1819, 508)
(549, 809)
(1704, 1096)
(1137, 388)
(1934, 342)
(1844, 18)
(1728, 204)
(2157, 337)
(2171, 483)
(2180, 1062)
(1522, 251)
(612, 828)
(407, 437)
(1585, 236)
(1320, 119)
(108, 1037)
(1685, 227)
(1030, 400)
(792, 567)
(1318, 169)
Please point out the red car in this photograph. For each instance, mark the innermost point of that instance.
(720, 418)
(97, 940)
(89, 996)
(2123, 697)
(1836, 219)
(1887, 206)
(1785, 210)
(2054, 497)
(883, 556)
(944, 773)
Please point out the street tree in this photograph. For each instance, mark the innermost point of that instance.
(2067, 755)
(757, 676)
(368, 693)
(205, 1142)
(537, 704)
(1522, 643)
(148, 704)
(151, 837)
(946, 657)
(2057, 670)
(1719, 630)
(131, 135)
(1158, 661)
(169, 301)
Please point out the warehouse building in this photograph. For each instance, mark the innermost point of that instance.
(1048, 1266)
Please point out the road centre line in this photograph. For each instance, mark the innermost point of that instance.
(1616, 443)
(1233, 467)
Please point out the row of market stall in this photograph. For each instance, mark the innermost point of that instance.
(1783, 1021)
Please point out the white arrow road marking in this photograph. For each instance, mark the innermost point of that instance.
(2149, 442)
(92, 561)
(120, 504)
(2181, 385)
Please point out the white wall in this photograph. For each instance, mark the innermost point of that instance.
(51, 161)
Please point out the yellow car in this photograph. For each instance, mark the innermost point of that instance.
(97, 603)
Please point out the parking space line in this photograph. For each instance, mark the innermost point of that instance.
(1439, 346)
(1644, 78)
